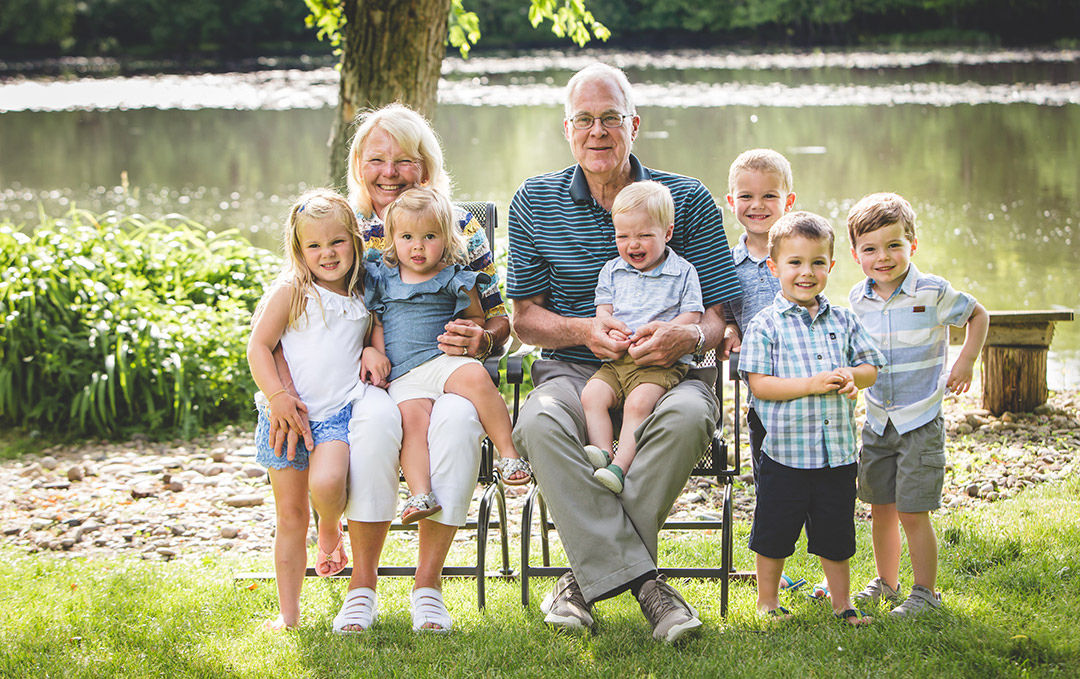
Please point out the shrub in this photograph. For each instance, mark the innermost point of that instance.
(110, 325)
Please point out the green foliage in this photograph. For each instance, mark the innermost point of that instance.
(109, 325)
(568, 18)
(37, 23)
(464, 28)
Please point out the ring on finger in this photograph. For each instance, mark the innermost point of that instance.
(464, 351)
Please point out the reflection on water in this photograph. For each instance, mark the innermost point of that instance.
(996, 185)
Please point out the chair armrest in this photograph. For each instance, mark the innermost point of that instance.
(515, 364)
(491, 363)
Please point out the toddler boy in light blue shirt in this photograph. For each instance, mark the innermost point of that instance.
(647, 282)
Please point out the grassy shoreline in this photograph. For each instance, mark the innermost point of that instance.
(1008, 572)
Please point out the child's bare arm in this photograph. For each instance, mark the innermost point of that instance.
(960, 376)
(474, 312)
(616, 330)
(772, 388)
(374, 365)
(285, 408)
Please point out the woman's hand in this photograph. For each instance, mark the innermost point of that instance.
(461, 334)
(288, 414)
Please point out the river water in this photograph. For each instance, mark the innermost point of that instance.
(985, 146)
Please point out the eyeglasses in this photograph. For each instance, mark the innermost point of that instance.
(585, 121)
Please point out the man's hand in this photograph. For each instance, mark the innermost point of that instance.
(662, 343)
(603, 337)
(732, 342)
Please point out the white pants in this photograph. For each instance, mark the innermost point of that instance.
(454, 437)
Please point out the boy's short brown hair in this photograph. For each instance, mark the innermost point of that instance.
(800, 224)
(878, 210)
(762, 160)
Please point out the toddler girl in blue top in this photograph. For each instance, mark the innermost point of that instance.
(418, 288)
(315, 310)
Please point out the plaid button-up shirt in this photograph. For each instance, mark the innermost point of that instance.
(818, 430)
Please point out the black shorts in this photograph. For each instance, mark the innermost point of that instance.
(788, 498)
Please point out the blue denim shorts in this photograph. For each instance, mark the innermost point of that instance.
(335, 428)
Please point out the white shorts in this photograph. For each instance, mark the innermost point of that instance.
(427, 379)
(454, 437)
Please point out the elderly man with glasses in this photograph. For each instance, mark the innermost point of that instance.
(561, 234)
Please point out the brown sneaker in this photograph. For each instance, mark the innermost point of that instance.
(565, 605)
(665, 609)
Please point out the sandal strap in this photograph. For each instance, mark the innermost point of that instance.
(428, 607)
(508, 466)
(360, 608)
(425, 501)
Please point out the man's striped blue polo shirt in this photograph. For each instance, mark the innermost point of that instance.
(560, 238)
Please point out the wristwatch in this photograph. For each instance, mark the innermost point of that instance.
(699, 350)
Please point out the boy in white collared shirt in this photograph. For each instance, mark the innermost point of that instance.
(902, 464)
(647, 282)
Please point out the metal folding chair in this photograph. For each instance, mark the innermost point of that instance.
(713, 463)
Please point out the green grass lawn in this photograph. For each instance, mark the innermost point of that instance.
(1010, 573)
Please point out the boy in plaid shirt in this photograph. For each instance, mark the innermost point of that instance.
(805, 362)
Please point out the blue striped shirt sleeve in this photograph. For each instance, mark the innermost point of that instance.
(528, 273)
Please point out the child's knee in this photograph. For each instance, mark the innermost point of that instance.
(292, 515)
(471, 378)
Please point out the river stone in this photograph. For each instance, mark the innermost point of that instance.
(49, 462)
(141, 490)
(244, 500)
(76, 473)
(230, 532)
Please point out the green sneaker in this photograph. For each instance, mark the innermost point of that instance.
(612, 478)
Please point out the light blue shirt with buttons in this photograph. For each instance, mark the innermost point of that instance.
(817, 430)
(640, 297)
(758, 284)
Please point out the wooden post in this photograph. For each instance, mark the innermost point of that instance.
(1014, 378)
(1014, 358)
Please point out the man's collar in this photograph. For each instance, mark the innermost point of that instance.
(579, 186)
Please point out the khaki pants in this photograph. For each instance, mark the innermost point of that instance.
(611, 539)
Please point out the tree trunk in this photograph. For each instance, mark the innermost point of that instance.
(392, 51)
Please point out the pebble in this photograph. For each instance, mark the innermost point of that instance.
(207, 496)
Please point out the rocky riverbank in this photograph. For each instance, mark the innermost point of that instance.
(187, 499)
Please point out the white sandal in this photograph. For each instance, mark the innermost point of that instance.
(361, 608)
(422, 507)
(428, 607)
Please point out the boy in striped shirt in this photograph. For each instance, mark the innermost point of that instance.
(902, 464)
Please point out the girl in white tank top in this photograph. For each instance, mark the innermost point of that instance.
(315, 311)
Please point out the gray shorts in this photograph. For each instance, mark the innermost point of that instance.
(905, 469)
